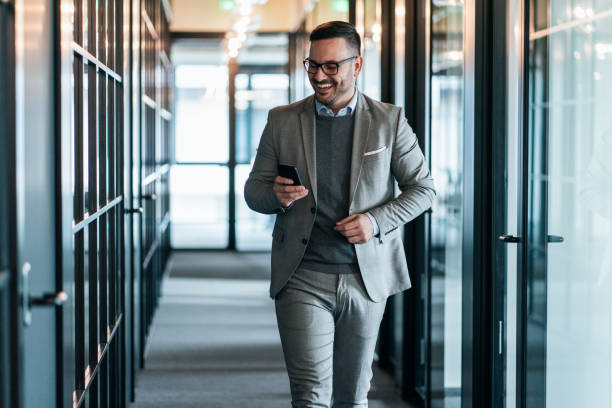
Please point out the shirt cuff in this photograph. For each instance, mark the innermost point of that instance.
(374, 223)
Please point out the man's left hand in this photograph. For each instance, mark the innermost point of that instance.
(357, 228)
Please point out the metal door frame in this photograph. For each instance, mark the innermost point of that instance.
(91, 349)
(11, 340)
(416, 358)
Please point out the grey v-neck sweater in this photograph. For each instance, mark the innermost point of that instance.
(328, 251)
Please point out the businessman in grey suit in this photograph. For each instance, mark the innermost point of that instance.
(337, 251)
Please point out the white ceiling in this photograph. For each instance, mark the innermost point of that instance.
(207, 15)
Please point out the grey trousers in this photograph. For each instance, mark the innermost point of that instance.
(328, 329)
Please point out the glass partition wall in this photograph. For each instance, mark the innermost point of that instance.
(369, 25)
(199, 177)
(445, 261)
(567, 255)
(257, 91)
(213, 156)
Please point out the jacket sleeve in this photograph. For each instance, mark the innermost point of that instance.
(258, 192)
(410, 169)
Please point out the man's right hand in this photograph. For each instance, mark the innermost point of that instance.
(286, 192)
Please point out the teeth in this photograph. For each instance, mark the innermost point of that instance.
(324, 86)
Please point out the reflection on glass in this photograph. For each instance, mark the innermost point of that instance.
(264, 50)
(513, 176)
(199, 206)
(572, 11)
(202, 117)
(253, 230)
(569, 264)
(400, 52)
(370, 76)
(397, 300)
(86, 320)
(446, 219)
(85, 129)
(256, 94)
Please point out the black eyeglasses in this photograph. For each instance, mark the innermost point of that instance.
(329, 68)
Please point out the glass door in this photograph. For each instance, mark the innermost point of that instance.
(445, 260)
(200, 175)
(222, 107)
(507, 328)
(565, 282)
(257, 91)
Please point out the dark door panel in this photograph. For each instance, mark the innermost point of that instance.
(9, 330)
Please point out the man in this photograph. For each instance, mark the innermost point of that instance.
(337, 252)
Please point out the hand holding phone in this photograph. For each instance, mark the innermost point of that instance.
(288, 185)
(290, 172)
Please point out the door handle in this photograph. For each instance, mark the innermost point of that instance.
(27, 301)
(49, 299)
(138, 210)
(555, 239)
(509, 239)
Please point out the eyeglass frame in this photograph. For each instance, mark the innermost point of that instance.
(317, 65)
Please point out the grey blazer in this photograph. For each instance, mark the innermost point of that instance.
(384, 149)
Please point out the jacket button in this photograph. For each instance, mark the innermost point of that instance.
(313, 210)
(304, 241)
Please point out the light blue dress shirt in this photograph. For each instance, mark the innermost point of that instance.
(323, 110)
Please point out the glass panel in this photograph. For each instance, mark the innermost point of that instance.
(256, 94)
(202, 117)
(397, 301)
(400, 52)
(446, 219)
(85, 132)
(199, 206)
(512, 183)
(253, 230)
(570, 211)
(86, 301)
(265, 50)
(370, 77)
(573, 11)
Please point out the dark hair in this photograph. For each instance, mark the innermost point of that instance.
(338, 29)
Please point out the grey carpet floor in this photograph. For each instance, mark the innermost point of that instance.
(214, 342)
(221, 264)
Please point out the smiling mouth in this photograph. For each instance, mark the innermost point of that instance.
(323, 86)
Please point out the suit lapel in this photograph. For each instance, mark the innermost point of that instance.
(308, 126)
(360, 140)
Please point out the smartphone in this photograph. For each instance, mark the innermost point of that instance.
(290, 172)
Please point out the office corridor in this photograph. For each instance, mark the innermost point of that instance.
(214, 341)
(134, 271)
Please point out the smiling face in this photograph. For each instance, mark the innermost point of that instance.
(334, 91)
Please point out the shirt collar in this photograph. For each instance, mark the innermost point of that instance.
(346, 111)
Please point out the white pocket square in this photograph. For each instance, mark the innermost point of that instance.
(375, 151)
